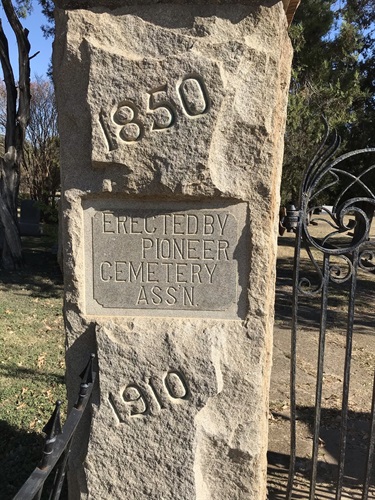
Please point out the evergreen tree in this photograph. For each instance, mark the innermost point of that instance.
(331, 76)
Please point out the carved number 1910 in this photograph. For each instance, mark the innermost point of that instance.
(129, 125)
(151, 396)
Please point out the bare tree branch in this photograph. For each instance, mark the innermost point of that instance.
(24, 70)
(34, 55)
(11, 91)
(16, 123)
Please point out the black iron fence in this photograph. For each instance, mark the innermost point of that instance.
(335, 259)
(57, 445)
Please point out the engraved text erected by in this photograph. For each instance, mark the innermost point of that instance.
(182, 259)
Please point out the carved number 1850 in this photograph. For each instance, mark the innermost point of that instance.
(128, 126)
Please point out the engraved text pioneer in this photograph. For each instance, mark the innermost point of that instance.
(181, 259)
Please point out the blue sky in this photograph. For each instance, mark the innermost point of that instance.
(39, 64)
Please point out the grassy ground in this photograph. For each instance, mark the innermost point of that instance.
(31, 359)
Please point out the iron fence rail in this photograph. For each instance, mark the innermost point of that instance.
(58, 442)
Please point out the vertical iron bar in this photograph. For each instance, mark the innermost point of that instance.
(346, 384)
(86, 379)
(60, 474)
(371, 449)
(38, 496)
(319, 381)
(293, 359)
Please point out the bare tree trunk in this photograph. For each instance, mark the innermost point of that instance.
(11, 254)
(17, 120)
(11, 245)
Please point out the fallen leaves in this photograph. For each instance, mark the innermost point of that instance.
(41, 360)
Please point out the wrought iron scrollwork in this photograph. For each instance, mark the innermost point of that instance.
(305, 285)
(340, 272)
(336, 194)
(366, 260)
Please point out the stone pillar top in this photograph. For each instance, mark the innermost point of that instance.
(290, 6)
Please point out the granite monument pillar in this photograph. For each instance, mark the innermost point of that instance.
(171, 117)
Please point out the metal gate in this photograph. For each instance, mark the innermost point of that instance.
(334, 256)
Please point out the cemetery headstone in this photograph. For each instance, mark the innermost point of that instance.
(29, 222)
(171, 118)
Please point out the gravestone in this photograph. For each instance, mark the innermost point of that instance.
(29, 222)
(171, 118)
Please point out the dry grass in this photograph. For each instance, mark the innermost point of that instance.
(31, 360)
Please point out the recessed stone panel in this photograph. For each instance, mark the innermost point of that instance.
(173, 99)
(169, 258)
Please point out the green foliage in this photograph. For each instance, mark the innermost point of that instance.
(47, 9)
(50, 211)
(23, 7)
(332, 76)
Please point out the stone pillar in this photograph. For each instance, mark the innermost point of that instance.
(171, 117)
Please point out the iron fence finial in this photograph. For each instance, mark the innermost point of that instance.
(52, 429)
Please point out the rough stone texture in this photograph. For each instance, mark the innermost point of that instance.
(161, 106)
(113, 4)
(290, 6)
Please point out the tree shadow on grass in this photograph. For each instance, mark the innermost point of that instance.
(14, 371)
(21, 450)
(40, 276)
(20, 453)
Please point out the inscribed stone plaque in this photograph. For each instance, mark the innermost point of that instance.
(177, 257)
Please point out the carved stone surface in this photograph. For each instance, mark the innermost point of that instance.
(171, 124)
